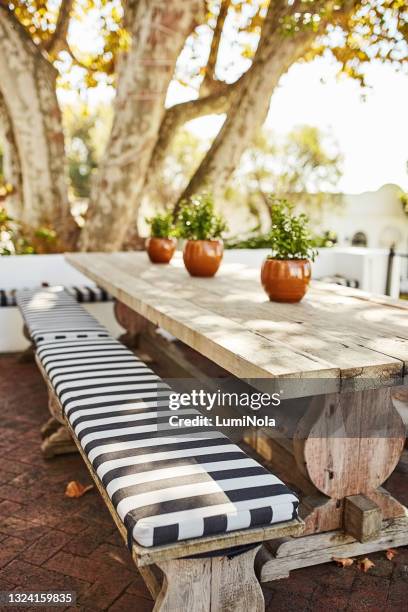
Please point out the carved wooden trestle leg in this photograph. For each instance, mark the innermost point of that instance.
(56, 438)
(349, 444)
(133, 323)
(344, 448)
(50, 427)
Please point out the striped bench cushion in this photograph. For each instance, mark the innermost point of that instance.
(340, 280)
(167, 483)
(88, 294)
(8, 297)
(81, 293)
(51, 314)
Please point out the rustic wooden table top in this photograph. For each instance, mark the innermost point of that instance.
(338, 334)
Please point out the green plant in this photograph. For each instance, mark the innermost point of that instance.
(290, 236)
(12, 238)
(403, 197)
(197, 219)
(255, 240)
(161, 225)
(327, 239)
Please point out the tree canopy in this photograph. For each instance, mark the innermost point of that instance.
(230, 56)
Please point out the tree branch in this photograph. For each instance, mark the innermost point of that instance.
(58, 41)
(209, 81)
(179, 114)
(283, 41)
(35, 50)
(214, 103)
(264, 64)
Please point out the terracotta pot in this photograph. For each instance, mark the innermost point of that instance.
(286, 280)
(160, 250)
(203, 257)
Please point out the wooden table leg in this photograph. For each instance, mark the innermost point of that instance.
(348, 444)
(131, 321)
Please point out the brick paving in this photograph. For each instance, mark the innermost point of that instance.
(48, 541)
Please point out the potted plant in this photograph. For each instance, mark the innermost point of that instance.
(162, 242)
(202, 227)
(286, 273)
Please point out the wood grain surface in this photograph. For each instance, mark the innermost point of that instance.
(345, 337)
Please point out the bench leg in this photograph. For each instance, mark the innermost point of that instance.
(216, 584)
(58, 443)
(50, 427)
(28, 354)
(57, 439)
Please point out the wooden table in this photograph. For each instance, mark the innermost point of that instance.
(347, 349)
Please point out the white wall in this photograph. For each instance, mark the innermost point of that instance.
(378, 214)
(17, 272)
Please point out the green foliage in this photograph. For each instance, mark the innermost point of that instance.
(356, 34)
(79, 68)
(162, 225)
(46, 235)
(290, 236)
(327, 239)
(259, 240)
(255, 240)
(86, 134)
(15, 239)
(304, 165)
(12, 239)
(197, 219)
(404, 201)
(81, 159)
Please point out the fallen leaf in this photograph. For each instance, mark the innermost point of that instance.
(76, 489)
(366, 565)
(390, 554)
(343, 562)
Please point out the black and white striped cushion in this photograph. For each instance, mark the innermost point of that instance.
(341, 280)
(8, 297)
(86, 293)
(52, 314)
(81, 293)
(166, 483)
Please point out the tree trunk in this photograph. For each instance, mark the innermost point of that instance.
(159, 30)
(11, 164)
(248, 110)
(27, 83)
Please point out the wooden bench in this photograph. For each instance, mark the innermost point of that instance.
(191, 505)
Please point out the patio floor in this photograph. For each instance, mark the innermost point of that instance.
(51, 542)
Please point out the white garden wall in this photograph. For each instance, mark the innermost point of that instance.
(17, 272)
